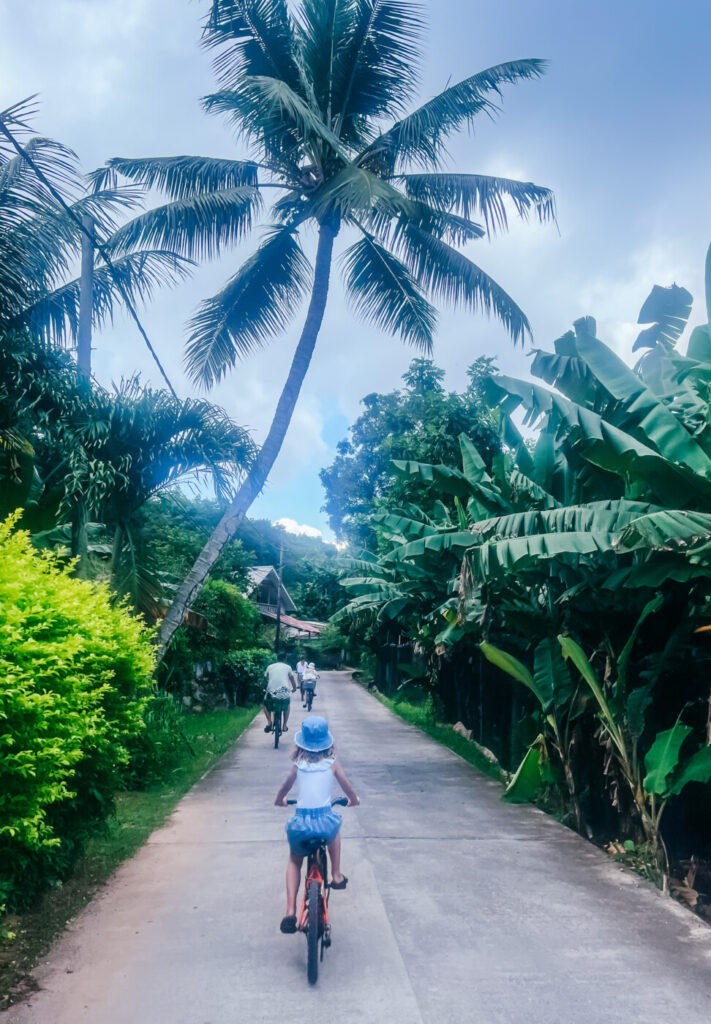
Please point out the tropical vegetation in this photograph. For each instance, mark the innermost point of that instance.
(320, 93)
(556, 594)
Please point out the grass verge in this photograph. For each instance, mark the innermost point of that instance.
(138, 813)
(421, 716)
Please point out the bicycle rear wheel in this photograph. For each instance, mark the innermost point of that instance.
(309, 700)
(277, 729)
(312, 901)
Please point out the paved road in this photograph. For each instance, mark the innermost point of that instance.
(460, 908)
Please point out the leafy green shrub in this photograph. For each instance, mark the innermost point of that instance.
(244, 673)
(231, 622)
(157, 748)
(75, 672)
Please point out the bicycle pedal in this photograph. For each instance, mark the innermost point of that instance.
(327, 937)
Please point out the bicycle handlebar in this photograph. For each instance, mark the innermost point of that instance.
(341, 801)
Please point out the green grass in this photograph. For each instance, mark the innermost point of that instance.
(421, 716)
(137, 815)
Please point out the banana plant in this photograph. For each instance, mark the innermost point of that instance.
(556, 693)
(664, 773)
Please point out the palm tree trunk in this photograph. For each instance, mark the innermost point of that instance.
(225, 529)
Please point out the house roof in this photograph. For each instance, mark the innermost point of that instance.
(302, 625)
(260, 574)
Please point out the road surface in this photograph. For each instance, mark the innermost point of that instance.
(460, 908)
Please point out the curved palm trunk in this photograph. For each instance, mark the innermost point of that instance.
(261, 468)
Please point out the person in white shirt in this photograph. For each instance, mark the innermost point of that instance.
(308, 682)
(301, 667)
(281, 683)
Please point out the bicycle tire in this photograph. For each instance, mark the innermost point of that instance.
(312, 932)
(277, 729)
(310, 700)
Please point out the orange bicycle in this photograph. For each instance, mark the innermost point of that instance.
(313, 919)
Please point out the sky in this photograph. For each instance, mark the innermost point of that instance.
(619, 128)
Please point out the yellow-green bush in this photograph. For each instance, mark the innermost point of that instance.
(75, 674)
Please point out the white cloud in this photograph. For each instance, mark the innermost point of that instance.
(300, 529)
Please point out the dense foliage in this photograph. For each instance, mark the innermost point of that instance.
(319, 91)
(577, 566)
(76, 672)
(422, 422)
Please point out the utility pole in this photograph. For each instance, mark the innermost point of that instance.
(278, 621)
(86, 297)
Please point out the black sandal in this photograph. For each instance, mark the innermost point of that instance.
(339, 885)
(288, 924)
(285, 728)
(267, 728)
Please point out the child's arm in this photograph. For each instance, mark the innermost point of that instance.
(345, 785)
(286, 786)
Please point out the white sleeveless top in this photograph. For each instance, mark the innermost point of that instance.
(315, 783)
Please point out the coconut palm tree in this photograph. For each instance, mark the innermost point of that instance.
(40, 242)
(319, 90)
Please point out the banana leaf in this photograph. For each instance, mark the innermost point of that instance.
(662, 759)
(528, 779)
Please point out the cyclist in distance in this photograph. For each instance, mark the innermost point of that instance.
(281, 683)
(314, 767)
(308, 682)
(301, 667)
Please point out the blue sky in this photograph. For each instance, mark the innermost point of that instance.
(618, 127)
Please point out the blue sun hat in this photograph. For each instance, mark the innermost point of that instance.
(314, 734)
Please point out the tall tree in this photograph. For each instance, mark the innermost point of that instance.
(320, 90)
(420, 422)
(43, 198)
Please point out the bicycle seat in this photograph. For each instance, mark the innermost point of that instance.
(312, 845)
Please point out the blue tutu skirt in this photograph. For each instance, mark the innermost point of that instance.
(310, 825)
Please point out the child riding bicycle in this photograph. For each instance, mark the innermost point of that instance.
(308, 683)
(315, 767)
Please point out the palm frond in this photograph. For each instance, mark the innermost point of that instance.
(259, 301)
(200, 226)
(380, 66)
(54, 317)
(258, 36)
(384, 292)
(358, 196)
(450, 276)
(180, 177)
(481, 194)
(325, 30)
(273, 116)
(419, 137)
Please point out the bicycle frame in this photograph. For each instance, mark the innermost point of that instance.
(316, 871)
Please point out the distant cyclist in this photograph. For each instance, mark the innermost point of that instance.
(301, 667)
(281, 683)
(308, 683)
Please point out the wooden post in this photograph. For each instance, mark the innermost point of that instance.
(86, 297)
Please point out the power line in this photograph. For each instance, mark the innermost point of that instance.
(99, 245)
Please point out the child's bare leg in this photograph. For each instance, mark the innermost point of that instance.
(286, 714)
(293, 880)
(334, 852)
(268, 716)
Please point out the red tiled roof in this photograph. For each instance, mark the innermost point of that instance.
(300, 624)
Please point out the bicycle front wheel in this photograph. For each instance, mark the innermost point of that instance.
(312, 901)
